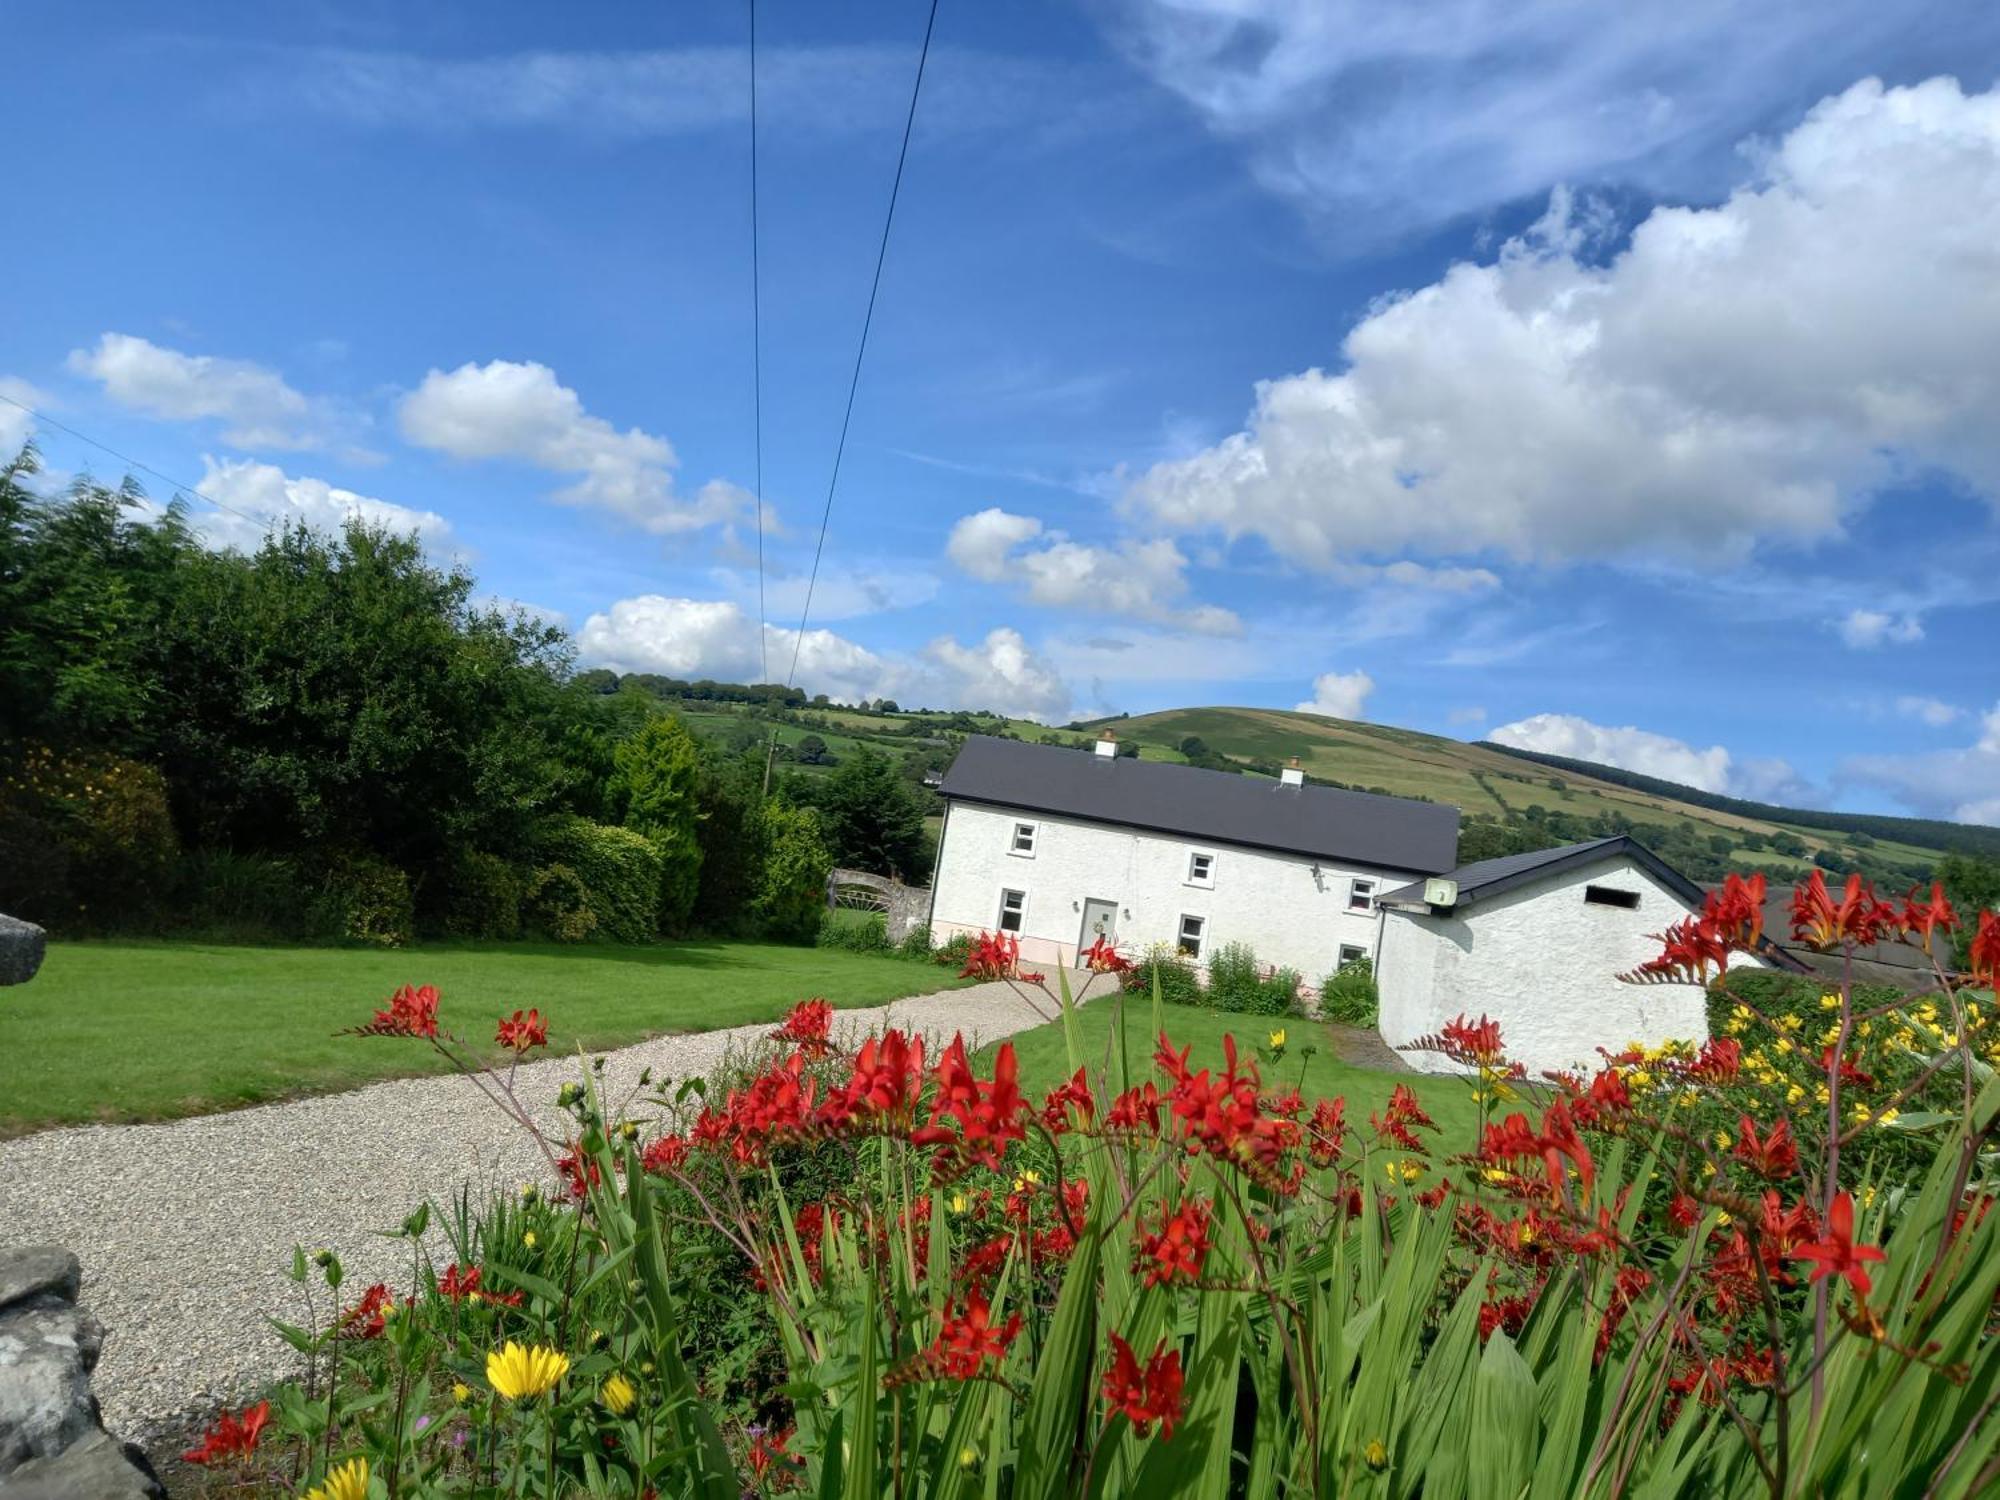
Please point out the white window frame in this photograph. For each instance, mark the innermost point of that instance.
(1020, 912)
(1034, 834)
(1361, 894)
(1349, 953)
(1199, 940)
(1204, 880)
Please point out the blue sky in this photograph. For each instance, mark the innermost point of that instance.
(1624, 388)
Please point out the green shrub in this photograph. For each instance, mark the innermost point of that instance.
(1349, 994)
(916, 944)
(854, 931)
(955, 952)
(365, 899)
(557, 905)
(482, 897)
(1280, 993)
(219, 893)
(1178, 982)
(619, 871)
(791, 887)
(86, 840)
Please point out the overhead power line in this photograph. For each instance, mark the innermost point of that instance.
(179, 486)
(867, 321)
(757, 356)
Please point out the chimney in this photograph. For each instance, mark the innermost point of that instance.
(1292, 775)
(1107, 745)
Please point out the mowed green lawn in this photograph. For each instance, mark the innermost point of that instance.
(1044, 1057)
(148, 1030)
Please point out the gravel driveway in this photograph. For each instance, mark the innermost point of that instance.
(185, 1228)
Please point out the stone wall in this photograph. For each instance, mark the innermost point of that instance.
(53, 1445)
(903, 907)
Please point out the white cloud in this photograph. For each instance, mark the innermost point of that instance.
(259, 409)
(718, 638)
(843, 592)
(1962, 784)
(1377, 119)
(518, 410)
(1931, 711)
(1339, 695)
(1728, 377)
(1141, 580)
(1865, 629)
(268, 494)
(16, 426)
(1650, 754)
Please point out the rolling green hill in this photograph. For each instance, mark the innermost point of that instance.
(1510, 800)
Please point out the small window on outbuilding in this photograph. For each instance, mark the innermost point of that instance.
(1611, 895)
(1023, 841)
(1013, 906)
(1192, 929)
(1201, 869)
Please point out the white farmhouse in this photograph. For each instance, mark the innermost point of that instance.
(1536, 942)
(1060, 848)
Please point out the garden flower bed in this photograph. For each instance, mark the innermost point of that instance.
(1667, 1274)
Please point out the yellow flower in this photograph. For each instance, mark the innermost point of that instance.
(1278, 1039)
(1375, 1455)
(617, 1393)
(1790, 1022)
(1794, 1094)
(1404, 1170)
(461, 1392)
(348, 1482)
(968, 1457)
(960, 1203)
(1724, 1140)
(1888, 1117)
(515, 1371)
(528, 1239)
(1497, 1174)
(1829, 1002)
(1639, 1078)
(1026, 1180)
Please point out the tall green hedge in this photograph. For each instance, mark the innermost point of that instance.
(618, 871)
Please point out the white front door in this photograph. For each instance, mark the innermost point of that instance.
(1100, 920)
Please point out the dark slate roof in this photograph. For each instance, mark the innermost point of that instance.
(1484, 879)
(1392, 833)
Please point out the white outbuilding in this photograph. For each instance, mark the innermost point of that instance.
(1537, 942)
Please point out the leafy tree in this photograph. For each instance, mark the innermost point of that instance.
(811, 750)
(731, 833)
(874, 818)
(791, 886)
(653, 791)
(1973, 884)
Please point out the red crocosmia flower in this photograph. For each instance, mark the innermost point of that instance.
(1849, 1073)
(232, 1436)
(1607, 1095)
(997, 955)
(990, 1116)
(969, 1338)
(1984, 958)
(1774, 1156)
(1691, 952)
(1474, 1042)
(767, 1451)
(1921, 918)
(808, 1027)
(1326, 1131)
(411, 1012)
(1225, 1117)
(1148, 1395)
(580, 1173)
(522, 1030)
(664, 1154)
(1837, 1254)
(1064, 1098)
(882, 1093)
(1101, 958)
(459, 1282)
(1137, 1111)
(1509, 1313)
(1175, 1251)
(1556, 1142)
(364, 1320)
(1858, 917)
(1735, 913)
(1399, 1121)
(1719, 1061)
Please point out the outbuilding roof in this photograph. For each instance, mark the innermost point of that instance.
(1362, 828)
(1484, 879)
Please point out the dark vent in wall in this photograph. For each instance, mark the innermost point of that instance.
(1610, 895)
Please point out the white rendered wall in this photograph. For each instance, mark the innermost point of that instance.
(1544, 963)
(1271, 901)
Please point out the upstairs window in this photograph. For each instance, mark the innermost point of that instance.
(1361, 895)
(1023, 841)
(1192, 929)
(1201, 869)
(1611, 895)
(1013, 907)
